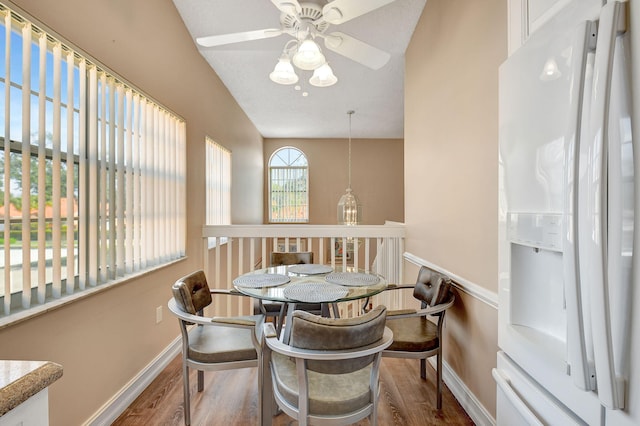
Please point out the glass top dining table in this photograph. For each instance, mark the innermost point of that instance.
(310, 283)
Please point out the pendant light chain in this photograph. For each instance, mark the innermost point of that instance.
(349, 208)
(351, 112)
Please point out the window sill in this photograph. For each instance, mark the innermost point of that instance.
(27, 314)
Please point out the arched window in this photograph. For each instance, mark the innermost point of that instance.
(288, 186)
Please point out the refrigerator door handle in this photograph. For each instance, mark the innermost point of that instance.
(580, 362)
(610, 387)
(503, 383)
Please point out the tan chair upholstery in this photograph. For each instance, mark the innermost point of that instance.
(215, 343)
(276, 310)
(285, 258)
(414, 334)
(329, 373)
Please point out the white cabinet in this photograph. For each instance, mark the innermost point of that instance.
(33, 412)
(526, 16)
(24, 393)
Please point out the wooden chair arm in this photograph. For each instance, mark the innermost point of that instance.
(234, 321)
(404, 312)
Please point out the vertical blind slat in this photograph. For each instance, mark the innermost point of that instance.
(155, 185)
(92, 164)
(111, 206)
(7, 164)
(119, 188)
(128, 184)
(162, 182)
(83, 182)
(136, 208)
(183, 186)
(70, 161)
(56, 172)
(102, 185)
(144, 113)
(171, 194)
(148, 208)
(26, 166)
(42, 169)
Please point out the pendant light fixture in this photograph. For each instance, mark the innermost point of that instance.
(349, 208)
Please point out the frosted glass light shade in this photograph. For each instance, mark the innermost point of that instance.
(349, 209)
(283, 73)
(308, 57)
(323, 76)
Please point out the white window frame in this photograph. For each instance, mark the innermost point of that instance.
(287, 165)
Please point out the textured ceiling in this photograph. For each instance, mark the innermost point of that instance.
(278, 111)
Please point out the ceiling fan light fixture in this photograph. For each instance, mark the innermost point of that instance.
(308, 56)
(283, 73)
(323, 76)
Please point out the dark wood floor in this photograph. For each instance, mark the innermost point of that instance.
(230, 398)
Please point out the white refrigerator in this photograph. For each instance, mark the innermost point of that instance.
(569, 325)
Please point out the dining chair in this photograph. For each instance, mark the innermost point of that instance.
(276, 311)
(212, 343)
(329, 371)
(415, 335)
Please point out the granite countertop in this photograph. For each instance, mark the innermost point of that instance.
(20, 380)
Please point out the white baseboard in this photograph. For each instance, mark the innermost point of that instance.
(459, 389)
(468, 401)
(113, 408)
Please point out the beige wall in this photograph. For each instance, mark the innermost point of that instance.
(104, 340)
(451, 153)
(377, 176)
(450, 182)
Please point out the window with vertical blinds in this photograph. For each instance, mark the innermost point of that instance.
(288, 186)
(93, 172)
(218, 184)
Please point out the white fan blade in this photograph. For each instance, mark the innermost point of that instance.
(356, 50)
(291, 7)
(339, 11)
(219, 40)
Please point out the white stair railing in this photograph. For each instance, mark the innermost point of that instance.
(232, 250)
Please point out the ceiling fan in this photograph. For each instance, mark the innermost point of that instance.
(309, 20)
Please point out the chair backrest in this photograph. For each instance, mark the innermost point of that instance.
(286, 258)
(313, 332)
(432, 288)
(192, 292)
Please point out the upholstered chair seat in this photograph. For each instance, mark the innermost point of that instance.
(212, 343)
(222, 344)
(417, 333)
(328, 394)
(413, 334)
